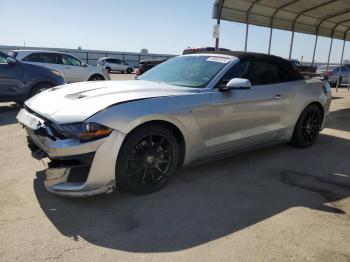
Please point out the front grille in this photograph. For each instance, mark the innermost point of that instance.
(48, 124)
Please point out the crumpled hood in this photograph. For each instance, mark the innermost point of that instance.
(77, 102)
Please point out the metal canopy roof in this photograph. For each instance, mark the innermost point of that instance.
(329, 18)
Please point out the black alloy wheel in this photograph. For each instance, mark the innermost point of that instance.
(147, 160)
(150, 160)
(308, 127)
(311, 126)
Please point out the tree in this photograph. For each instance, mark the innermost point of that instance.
(79, 48)
(346, 61)
(144, 51)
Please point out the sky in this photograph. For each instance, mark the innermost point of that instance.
(161, 26)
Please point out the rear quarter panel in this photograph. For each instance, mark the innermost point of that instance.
(301, 94)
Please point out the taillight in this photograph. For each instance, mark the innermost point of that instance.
(329, 73)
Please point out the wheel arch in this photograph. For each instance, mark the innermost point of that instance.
(317, 103)
(175, 129)
(96, 74)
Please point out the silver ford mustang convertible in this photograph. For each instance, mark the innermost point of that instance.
(133, 135)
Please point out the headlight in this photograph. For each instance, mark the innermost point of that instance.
(83, 131)
(57, 73)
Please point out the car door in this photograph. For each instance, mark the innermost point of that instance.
(119, 65)
(11, 79)
(345, 74)
(244, 117)
(73, 69)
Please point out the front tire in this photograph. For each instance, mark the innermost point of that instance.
(308, 127)
(38, 89)
(147, 159)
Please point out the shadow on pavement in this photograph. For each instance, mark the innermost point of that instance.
(339, 120)
(208, 201)
(8, 113)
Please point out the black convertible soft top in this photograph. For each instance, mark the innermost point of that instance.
(282, 63)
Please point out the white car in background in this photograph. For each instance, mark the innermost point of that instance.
(113, 64)
(73, 69)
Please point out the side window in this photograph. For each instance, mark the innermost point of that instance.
(237, 71)
(32, 58)
(49, 58)
(262, 73)
(70, 60)
(3, 59)
(344, 68)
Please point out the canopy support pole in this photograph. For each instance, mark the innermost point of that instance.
(246, 38)
(341, 63)
(270, 40)
(219, 12)
(329, 54)
(217, 40)
(291, 46)
(313, 56)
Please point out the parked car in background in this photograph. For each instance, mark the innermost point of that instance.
(20, 81)
(134, 134)
(73, 69)
(147, 64)
(335, 73)
(113, 64)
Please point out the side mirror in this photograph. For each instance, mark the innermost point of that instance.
(236, 83)
(11, 61)
(83, 64)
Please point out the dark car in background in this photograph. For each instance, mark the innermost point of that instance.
(20, 81)
(146, 65)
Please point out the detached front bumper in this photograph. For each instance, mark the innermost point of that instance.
(75, 168)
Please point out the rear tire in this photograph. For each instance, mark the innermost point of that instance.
(147, 159)
(38, 89)
(129, 70)
(307, 129)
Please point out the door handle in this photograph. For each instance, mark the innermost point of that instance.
(277, 97)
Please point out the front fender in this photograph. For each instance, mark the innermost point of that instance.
(188, 113)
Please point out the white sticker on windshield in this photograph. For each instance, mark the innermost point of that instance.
(218, 59)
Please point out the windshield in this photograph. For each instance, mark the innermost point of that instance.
(324, 67)
(188, 71)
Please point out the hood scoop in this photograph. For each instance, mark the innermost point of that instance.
(75, 96)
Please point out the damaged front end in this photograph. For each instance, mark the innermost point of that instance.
(69, 160)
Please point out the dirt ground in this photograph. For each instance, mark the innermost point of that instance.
(273, 204)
